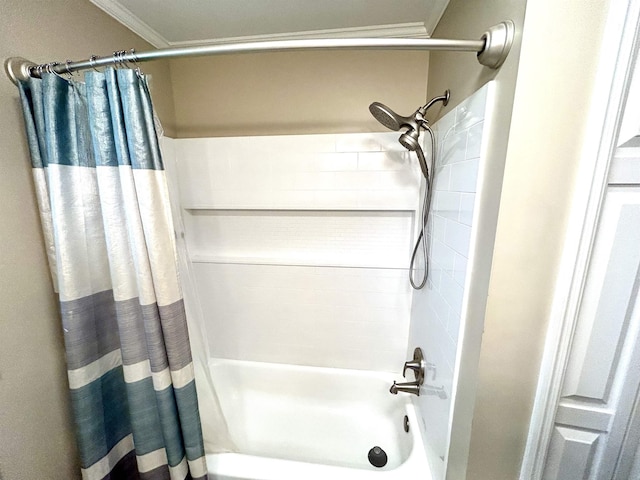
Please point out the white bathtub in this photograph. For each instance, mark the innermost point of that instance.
(291, 423)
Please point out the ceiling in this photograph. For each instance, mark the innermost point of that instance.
(198, 22)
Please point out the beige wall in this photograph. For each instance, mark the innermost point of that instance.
(538, 150)
(36, 439)
(463, 75)
(294, 92)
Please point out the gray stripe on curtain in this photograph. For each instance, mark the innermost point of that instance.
(97, 325)
(160, 473)
(174, 322)
(132, 331)
(125, 469)
(90, 328)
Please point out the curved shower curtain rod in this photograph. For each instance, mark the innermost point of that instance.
(492, 50)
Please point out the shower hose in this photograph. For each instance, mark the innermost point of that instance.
(426, 206)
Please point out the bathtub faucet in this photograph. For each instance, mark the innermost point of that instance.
(407, 387)
(418, 365)
(415, 388)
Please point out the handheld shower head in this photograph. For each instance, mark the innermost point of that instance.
(409, 140)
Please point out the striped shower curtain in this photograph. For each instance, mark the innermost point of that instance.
(107, 225)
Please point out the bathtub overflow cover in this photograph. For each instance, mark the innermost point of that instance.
(377, 457)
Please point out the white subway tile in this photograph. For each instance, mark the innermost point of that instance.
(279, 143)
(376, 180)
(389, 142)
(471, 110)
(447, 204)
(438, 226)
(460, 269)
(474, 141)
(453, 326)
(283, 162)
(453, 148)
(387, 199)
(449, 352)
(443, 256)
(467, 206)
(337, 199)
(335, 162)
(193, 185)
(464, 176)
(435, 272)
(440, 305)
(451, 292)
(316, 180)
(443, 127)
(458, 236)
(441, 178)
(384, 161)
(358, 142)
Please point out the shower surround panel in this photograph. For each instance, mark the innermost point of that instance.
(300, 246)
(437, 313)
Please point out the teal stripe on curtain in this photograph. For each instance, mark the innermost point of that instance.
(97, 163)
(148, 435)
(101, 415)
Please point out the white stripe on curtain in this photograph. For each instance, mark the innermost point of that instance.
(152, 460)
(102, 467)
(83, 376)
(83, 268)
(153, 198)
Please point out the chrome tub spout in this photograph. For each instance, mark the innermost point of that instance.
(407, 387)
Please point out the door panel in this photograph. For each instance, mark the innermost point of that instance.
(608, 293)
(571, 454)
(602, 376)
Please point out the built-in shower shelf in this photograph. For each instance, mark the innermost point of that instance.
(216, 259)
(371, 207)
(360, 238)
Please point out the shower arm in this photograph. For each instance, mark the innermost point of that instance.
(492, 50)
(418, 121)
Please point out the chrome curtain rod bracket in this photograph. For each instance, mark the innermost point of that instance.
(492, 50)
(498, 40)
(18, 68)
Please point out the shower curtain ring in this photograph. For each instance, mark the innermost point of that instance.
(69, 72)
(134, 60)
(118, 58)
(50, 69)
(92, 62)
(122, 60)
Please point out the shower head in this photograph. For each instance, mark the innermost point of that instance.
(388, 117)
(409, 140)
(410, 137)
(393, 121)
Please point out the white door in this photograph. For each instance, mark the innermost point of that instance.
(597, 421)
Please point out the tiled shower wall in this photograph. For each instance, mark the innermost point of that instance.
(437, 313)
(300, 245)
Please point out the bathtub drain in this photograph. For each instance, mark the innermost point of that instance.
(377, 457)
(406, 424)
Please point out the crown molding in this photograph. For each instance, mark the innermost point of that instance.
(401, 30)
(438, 7)
(132, 22)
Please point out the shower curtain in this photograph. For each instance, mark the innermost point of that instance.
(106, 219)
